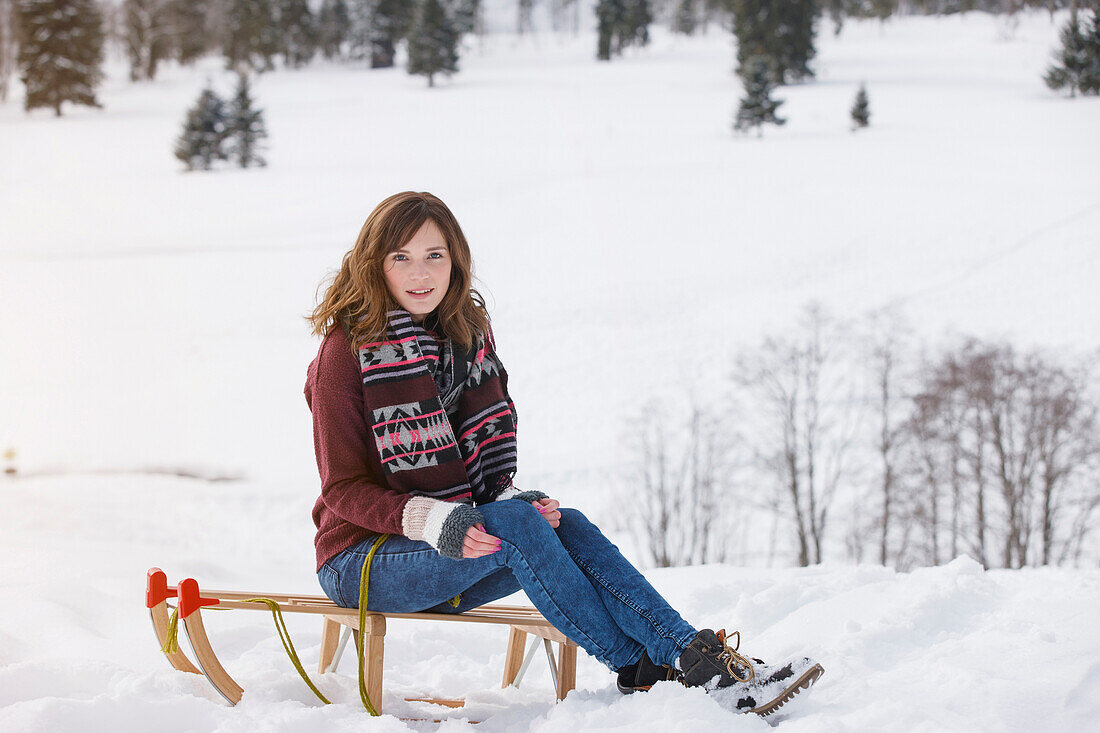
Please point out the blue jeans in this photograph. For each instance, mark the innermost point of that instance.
(573, 574)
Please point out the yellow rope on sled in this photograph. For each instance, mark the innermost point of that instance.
(288, 645)
(364, 587)
(171, 645)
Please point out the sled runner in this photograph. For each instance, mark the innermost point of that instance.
(371, 632)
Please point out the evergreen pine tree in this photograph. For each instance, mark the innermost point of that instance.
(635, 28)
(147, 35)
(781, 32)
(61, 52)
(609, 18)
(1077, 63)
(621, 23)
(466, 15)
(251, 35)
(246, 126)
(389, 23)
(188, 26)
(861, 109)
(433, 41)
(205, 132)
(333, 27)
(757, 107)
(298, 32)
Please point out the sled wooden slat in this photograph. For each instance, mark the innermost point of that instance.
(522, 620)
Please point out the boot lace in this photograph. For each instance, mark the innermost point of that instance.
(733, 660)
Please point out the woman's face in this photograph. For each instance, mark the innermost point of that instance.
(418, 274)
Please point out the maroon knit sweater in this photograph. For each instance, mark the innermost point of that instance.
(354, 501)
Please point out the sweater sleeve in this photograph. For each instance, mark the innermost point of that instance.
(341, 441)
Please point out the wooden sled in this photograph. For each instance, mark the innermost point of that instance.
(522, 620)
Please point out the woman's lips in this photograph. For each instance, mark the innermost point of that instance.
(420, 296)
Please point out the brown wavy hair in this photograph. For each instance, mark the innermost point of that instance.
(358, 296)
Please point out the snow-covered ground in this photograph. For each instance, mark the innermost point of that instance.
(948, 648)
(151, 320)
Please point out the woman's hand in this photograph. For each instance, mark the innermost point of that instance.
(478, 543)
(549, 510)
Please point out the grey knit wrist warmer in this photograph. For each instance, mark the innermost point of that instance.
(453, 532)
(530, 496)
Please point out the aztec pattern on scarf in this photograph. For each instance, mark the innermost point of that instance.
(416, 387)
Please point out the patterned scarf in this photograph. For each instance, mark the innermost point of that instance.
(416, 386)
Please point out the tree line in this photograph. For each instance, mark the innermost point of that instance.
(860, 442)
(57, 45)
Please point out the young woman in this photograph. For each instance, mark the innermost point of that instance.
(415, 437)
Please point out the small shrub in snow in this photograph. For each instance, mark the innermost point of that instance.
(861, 109)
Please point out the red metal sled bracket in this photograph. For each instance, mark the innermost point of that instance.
(190, 600)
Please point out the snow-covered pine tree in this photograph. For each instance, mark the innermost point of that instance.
(433, 41)
(861, 109)
(1077, 62)
(757, 106)
(333, 23)
(61, 52)
(205, 132)
(297, 32)
(188, 20)
(246, 127)
(389, 23)
(148, 35)
(8, 46)
(251, 35)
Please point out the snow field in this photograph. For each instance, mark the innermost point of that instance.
(627, 241)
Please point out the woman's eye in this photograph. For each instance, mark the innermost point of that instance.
(436, 256)
(399, 258)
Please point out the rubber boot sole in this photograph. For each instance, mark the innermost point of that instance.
(808, 677)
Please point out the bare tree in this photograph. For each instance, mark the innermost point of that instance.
(683, 469)
(885, 344)
(990, 418)
(800, 389)
(147, 35)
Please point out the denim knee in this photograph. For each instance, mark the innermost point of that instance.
(510, 519)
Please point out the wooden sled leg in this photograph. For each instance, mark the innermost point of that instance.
(374, 638)
(208, 661)
(513, 658)
(330, 640)
(567, 668)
